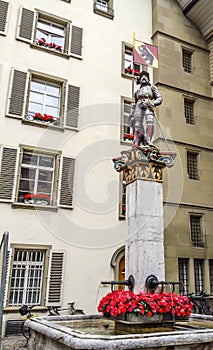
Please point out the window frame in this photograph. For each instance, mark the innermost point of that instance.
(47, 249)
(197, 236)
(187, 66)
(110, 10)
(211, 275)
(199, 277)
(183, 272)
(128, 101)
(129, 47)
(40, 15)
(55, 195)
(192, 175)
(122, 198)
(188, 109)
(35, 76)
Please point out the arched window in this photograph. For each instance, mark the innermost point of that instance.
(118, 264)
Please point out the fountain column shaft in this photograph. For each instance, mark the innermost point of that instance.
(145, 241)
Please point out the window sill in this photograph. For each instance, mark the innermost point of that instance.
(103, 13)
(122, 217)
(17, 205)
(12, 309)
(43, 125)
(126, 143)
(46, 49)
(127, 76)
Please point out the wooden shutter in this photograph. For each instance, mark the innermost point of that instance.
(7, 173)
(26, 25)
(67, 182)
(8, 266)
(76, 41)
(55, 278)
(4, 13)
(17, 94)
(72, 106)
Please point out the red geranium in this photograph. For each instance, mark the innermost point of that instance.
(37, 196)
(121, 301)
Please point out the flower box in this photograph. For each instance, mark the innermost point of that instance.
(36, 199)
(42, 42)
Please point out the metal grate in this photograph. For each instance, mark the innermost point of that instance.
(103, 6)
(198, 271)
(27, 275)
(192, 165)
(187, 61)
(13, 327)
(183, 267)
(196, 234)
(189, 111)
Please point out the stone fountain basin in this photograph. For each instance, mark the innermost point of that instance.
(52, 332)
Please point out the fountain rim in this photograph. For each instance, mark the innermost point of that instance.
(75, 338)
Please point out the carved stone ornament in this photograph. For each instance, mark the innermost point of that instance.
(145, 163)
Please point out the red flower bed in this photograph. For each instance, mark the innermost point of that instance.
(120, 302)
(128, 137)
(132, 71)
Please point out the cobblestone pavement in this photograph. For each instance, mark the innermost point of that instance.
(13, 343)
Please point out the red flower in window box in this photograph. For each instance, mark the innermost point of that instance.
(128, 137)
(37, 198)
(46, 118)
(42, 42)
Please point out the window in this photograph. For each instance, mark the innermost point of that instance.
(189, 111)
(211, 275)
(44, 100)
(128, 68)
(126, 130)
(104, 8)
(183, 269)
(51, 33)
(38, 180)
(192, 165)
(4, 11)
(34, 276)
(198, 271)
(122, 204)
(187, 60)
(196, 233)
(27, 277)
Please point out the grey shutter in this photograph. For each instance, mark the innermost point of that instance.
(4, 11)
(17, 94)
(72, 106)
(76, 41)
(26, 25)
(67, 182)
(8, 264)
(7, 173)
(55, 278)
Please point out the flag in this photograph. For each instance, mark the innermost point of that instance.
(145, 54)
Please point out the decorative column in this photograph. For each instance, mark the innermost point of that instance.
(143, 170)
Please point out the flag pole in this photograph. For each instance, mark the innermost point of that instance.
(133, 78)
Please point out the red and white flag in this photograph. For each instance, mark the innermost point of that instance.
(145, 54)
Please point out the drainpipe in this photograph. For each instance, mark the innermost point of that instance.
(4, 247)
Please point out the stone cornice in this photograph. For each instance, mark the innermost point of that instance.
(209, 98)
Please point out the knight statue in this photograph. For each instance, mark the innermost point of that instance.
(146, 98)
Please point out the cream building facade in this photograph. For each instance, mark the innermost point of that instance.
(65, 97)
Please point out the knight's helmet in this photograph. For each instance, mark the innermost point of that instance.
(141, 74)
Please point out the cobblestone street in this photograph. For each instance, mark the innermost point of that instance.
(13, 343)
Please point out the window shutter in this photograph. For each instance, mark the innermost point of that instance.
(26, 25)
(55, 278)
(72, 106)
(6, 289)
(17, 94)
(7, 173)
(76, 41)
(4, 12)
(67, 182)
